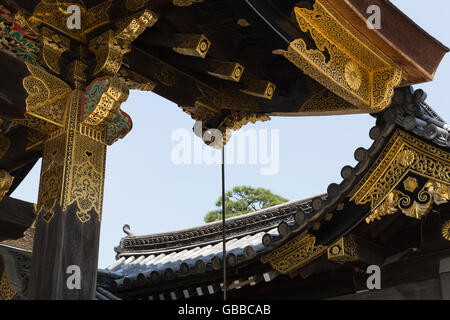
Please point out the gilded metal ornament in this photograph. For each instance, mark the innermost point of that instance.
(6, 181)
(258, 88)
(102, 101)
(411, 207)
(135, 81)
(110, 47)
(52, 13)
(343, 250)
(323, 101)
(445, 230)
(238, 119)
(404, 159)
(15, 40)
(439, 191)
(355, 69)
(410, 184)
(6, 290)
(185, 3)
(232, 71)
(402, 155)
(72, 168)
(74, 155)
(47, 100)
(196, 45)
(53, 46)
(294, 254)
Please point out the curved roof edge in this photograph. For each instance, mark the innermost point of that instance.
(192, 252)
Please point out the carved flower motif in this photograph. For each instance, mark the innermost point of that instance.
(410, 184)
(353, 75)
(446, 230)
(406, 158)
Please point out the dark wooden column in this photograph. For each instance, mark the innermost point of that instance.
(69, 210)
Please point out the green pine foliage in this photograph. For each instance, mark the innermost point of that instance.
(242, 200)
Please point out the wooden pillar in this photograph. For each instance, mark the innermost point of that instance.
(69, 209)
(65, 252)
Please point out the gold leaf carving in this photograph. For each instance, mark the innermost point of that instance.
(110, 47)
(355, 70)
(53, 13)
(47, 98)
(445, 230)
(403, 154)
(6, 290)
(294, 254)
(6, 181)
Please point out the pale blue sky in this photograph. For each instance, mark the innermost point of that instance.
(144, 189)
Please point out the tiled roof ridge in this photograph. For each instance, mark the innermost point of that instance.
(251, 223)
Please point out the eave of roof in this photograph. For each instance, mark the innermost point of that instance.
(395, 38)
(165, 263)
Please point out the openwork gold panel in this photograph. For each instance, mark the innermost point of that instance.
(409, 175)
(343, 61)
(47, 100)
(6, 290)
(72, 169)
(53, 13)
(294, 254)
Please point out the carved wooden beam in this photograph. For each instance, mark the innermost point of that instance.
(196, 45)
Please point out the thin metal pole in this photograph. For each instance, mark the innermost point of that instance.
(224, 260)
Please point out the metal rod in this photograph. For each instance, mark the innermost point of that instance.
(224, 260)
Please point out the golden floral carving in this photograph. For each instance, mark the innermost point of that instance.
(406, 158)
(238, 119)
(445, 230)
(410, 184)
(86, 190)
(410, 207)
(402, 155)
(353, 75)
